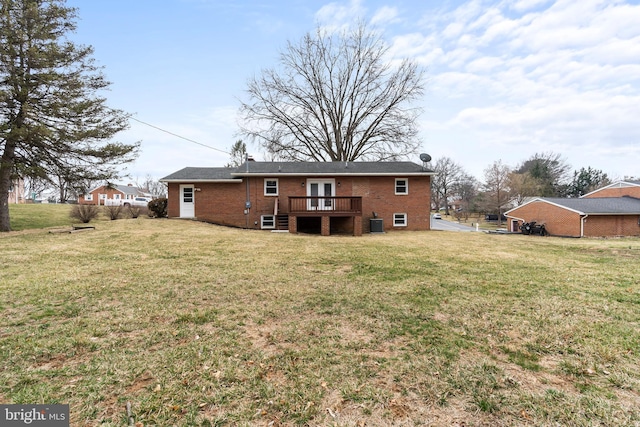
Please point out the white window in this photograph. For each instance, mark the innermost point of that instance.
(267, 221)
(399, 219)
(402, 186)
(271, 187)
(88, 197)
(116, 196)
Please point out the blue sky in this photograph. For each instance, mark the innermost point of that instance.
(505, 78)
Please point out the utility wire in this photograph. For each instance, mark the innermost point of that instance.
(178, 136)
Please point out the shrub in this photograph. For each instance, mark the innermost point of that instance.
(158, 208)
(84, 213)
(136, 211)
(113, 212)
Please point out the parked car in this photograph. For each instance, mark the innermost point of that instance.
(138, 201)
(437, 216)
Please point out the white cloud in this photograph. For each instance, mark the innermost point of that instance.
(535, 75)
(385, 15)
(339, 14)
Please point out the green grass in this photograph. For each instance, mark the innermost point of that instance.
(36, 216)
(196, 324)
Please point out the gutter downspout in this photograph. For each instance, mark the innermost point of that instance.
(582, 224)
(247, 204)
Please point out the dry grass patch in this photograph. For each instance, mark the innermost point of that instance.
(201, 325)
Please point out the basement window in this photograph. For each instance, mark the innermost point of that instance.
(399, 219)
(267, 222)
(271, 187)
(402, 186)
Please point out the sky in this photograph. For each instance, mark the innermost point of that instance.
(505, 79)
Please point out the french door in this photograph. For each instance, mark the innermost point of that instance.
(321, 192)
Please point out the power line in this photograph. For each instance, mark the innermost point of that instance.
(178, 136)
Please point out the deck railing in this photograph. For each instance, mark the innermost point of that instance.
(316, 205)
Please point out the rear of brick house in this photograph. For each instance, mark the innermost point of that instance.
(321, 197)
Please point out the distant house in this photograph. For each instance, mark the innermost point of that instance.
(112, 194)
(617, 189)
(613, 210)
(17, 191)
(320, 197)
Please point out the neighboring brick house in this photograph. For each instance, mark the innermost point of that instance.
(320, 197)
(17, 191)
(112, 194)
(617, 189)
(616, 215)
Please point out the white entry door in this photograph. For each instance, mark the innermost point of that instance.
(320, 189)
(187, 202)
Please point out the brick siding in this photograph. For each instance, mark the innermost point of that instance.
(632, 191)
(612, 225)
(224, 203)
(563, 222)
(557, 221)
(110, 192)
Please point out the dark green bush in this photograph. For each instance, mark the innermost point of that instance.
(84, 213)
(158, 207)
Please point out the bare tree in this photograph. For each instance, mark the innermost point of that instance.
(335, 98)
(523, 185)
(497, 187)
(466, 188)
(152, 186)
(447, 175)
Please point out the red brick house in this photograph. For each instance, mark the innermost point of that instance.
(320, 197)
(617, 189)
(112, 194)
(17, 191)
(613, 210)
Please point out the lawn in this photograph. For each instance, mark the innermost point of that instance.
(196, 325)
(40, 215)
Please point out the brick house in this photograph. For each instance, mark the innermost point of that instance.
(617, 189)
(318, 197)
(613, 210)
(17, 191)
(112, 194)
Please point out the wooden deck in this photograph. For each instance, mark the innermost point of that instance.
(325, 206)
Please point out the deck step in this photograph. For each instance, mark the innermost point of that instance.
(282, 222)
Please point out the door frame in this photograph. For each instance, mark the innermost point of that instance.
(322, 204)
(190, 205)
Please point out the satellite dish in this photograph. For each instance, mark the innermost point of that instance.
(425, 157)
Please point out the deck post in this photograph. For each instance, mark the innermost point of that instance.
(326, 225)
(357, 225)
(293, 224)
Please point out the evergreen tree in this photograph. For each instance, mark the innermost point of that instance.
(587, 180)
(53, 121)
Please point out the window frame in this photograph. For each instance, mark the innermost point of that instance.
(277, 187)
(263, 220)
(406, 187)
(400, 215)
